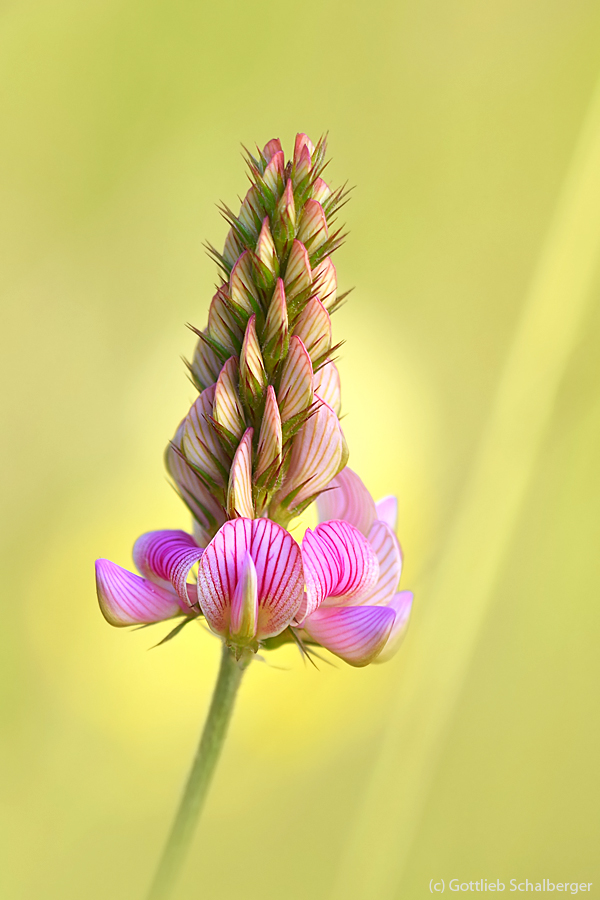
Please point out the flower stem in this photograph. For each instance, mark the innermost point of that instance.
(205, 761)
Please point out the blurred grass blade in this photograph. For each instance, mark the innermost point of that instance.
(447, 622)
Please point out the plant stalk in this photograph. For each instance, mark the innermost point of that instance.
(199, 779)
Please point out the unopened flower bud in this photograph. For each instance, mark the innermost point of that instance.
(321, 190)
(271, 148)
(284, 220)
(222, 327)
(296, 387)
(242, 290)
(227, 407)
(314, 329)
(313, 230)
(324, 283)
(298, 275)
(326, 386)
(265, 248)
(205, 365)
(239, 489)
(253, 377)
(273, 174)
(200, 443)
(268, 454)
(276, 328)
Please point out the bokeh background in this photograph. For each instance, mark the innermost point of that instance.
(121, 124)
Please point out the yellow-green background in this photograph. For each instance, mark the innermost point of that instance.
(121, 124)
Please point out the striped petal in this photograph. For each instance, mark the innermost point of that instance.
(357, 634)
(339, 565)
(265, 246)
(347, 498)
(239, 492)
(387, 511)
(298, 276)
(314, 329)
(252, 368)
(296, 386)
(221, 325)
(302, 165)
(276, 327)
(326, 385)
(227, 407)
(200, 444)
(318, 453)
(167, 558)
(389, 556)
(273, 174)
(232, 248)
(271, 148)
(321, 190)
(279, 581)
(302, 140)
(205, 365)
(127, 599)
(208, 514)
(401, 604)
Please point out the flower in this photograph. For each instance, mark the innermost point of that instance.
(255, 583)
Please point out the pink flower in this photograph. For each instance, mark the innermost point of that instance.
(254, 582)
(352, 565)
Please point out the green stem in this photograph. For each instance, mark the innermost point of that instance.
(194, 795)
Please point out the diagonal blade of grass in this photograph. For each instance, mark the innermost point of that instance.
(446, 629)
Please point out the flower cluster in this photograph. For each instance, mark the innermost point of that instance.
(263, 441)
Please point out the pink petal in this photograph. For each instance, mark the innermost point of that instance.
(278, 563)
(401, 604)
(357, 634)
(127, 599)
(302, 140)
(298, 275)
(273, 174)
(389, 555)
(325, 281)
(347, 498)
(167, 558)
(241, 284)
(339, 565)
(314, 329)
(296, 386)
(387, 511)
(271, 148)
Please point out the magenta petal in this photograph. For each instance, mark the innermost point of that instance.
(347, 498)
(127, 599)
(387, 511)
(167, 557)
(279, 581)
(357, 634)
(401, 604)
(339, 564)
(389, 556)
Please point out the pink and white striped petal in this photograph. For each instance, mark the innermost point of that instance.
(239, 492)
(325, 282)
(252, 368)
(401, 604)
(302, 165)
(227, 407)
(318, 453)
(314, 329)
(326, 385)
(221, 325)
(387, 511)
(302, 140)
(270, 440)
(278, 563)
(276, 326)
(347, 498)
(389, 556)
(298, 275)
(127, 599)
(205, 365)
(167, 558)
(340, 566)
(200, 443)
(232, 248)
(296, 386)
(357, 634)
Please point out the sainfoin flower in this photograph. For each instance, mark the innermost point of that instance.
(263, 441)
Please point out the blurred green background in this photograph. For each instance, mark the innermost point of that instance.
(121, 125)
